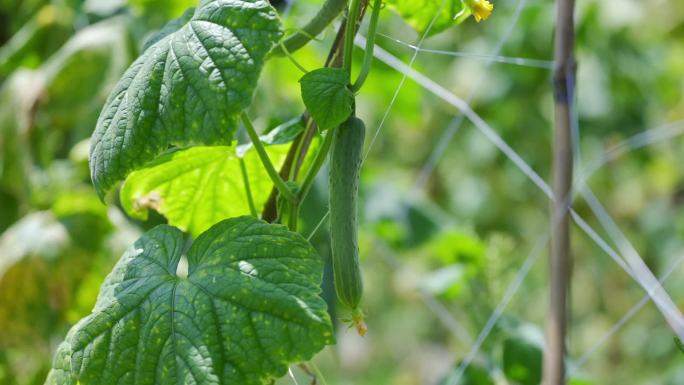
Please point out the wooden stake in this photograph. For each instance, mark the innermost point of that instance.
(560, 259)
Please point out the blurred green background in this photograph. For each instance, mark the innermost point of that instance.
(439, 249)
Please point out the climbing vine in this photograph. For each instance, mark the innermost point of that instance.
(219, 295)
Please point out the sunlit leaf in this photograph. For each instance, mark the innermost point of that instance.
(200, 186)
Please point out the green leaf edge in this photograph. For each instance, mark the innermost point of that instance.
(61, 372)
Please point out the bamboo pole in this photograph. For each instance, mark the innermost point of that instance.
(560, 258)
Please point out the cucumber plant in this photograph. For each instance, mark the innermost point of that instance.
(219, 295)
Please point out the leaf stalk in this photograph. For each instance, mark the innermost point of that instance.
(370, 44)
(350, 32)
(328, 12)
(318, 161)
(265, 160)
(248, 189)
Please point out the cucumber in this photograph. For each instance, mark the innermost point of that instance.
(345, 165)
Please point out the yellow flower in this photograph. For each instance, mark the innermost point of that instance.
(481, 9)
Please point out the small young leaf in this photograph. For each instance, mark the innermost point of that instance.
(248, 306)
(284, 133)
(281, 134)
(200, 186)
(327, 96)
(419, 13)
(186, 89)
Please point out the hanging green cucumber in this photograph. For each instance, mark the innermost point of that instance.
(345, 165)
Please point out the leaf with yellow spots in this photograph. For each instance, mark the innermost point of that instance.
(237, 308)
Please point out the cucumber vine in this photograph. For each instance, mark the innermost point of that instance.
(220, 296)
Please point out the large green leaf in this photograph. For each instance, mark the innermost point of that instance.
(420, 13)
(327, 96)
(200, 186)
(244, 306)
(185, 89)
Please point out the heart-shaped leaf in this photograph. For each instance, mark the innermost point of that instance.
(200, 186)
(242, 306)
(185, 89)
(327, 97)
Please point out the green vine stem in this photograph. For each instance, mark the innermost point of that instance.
(322, 19)
(309, 178)
(300, 144)
(316, 165)
(319, 374)
(370, 44)
(248, 189)
(294, 216)
(265, 160)
(292, 59)
(352, 20)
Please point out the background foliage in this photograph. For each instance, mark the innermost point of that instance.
(455, 241)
